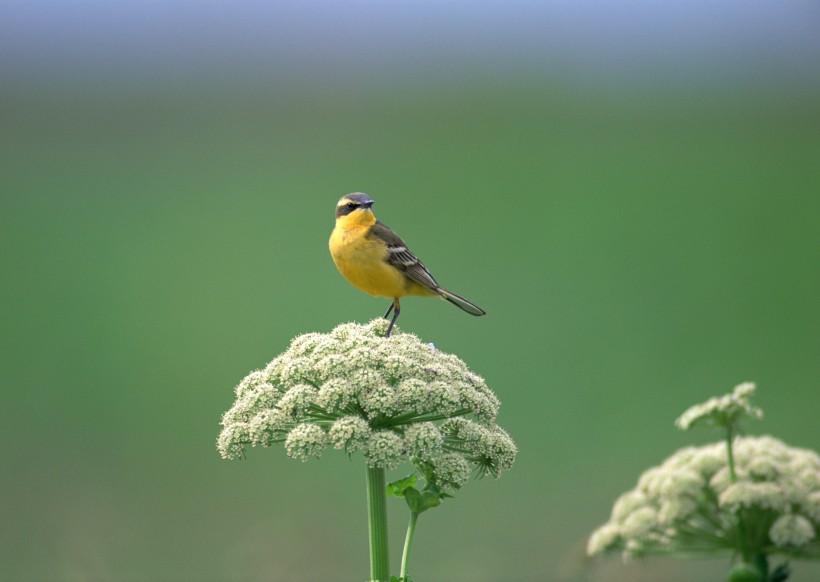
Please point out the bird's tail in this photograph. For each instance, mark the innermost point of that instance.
(470, 308)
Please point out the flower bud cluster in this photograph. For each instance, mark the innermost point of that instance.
(394, 399)
(721, 410)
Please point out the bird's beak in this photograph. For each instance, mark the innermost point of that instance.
(367, 204)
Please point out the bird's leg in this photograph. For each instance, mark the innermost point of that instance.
(389, 309)
(396, 309)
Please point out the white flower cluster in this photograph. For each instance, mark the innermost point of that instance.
(356, 390)
(689, 504)
(722, 410)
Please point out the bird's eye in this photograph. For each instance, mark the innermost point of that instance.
(351, 205)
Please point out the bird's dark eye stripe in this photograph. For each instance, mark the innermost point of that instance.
(347, 208)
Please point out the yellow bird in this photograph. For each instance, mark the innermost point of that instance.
(375, 259)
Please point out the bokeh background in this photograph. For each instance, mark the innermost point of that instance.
(631, 191)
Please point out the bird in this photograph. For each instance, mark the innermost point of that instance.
(376, 260)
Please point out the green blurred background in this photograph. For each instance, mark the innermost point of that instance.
(634, 198)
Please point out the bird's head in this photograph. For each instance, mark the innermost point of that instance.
(354, 209)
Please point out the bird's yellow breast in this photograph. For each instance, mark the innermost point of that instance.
(362, 259)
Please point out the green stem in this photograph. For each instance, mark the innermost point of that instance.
(741, 526)
(731, 457)
(408, 540)
(377, 525)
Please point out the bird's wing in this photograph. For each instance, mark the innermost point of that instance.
(399, 256)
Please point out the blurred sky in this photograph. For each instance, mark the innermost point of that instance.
(591, 40)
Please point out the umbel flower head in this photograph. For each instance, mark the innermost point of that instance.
(754, 495)
(690, 505)
(393, 399)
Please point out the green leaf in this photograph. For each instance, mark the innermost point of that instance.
(414, 499)
(398, 488)
(440, 493)
(429, 500)
(744, 572)
(780, 573)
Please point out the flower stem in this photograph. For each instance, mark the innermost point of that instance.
(730, 455)
(408, 540)
(377, 525)
(741, 526)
